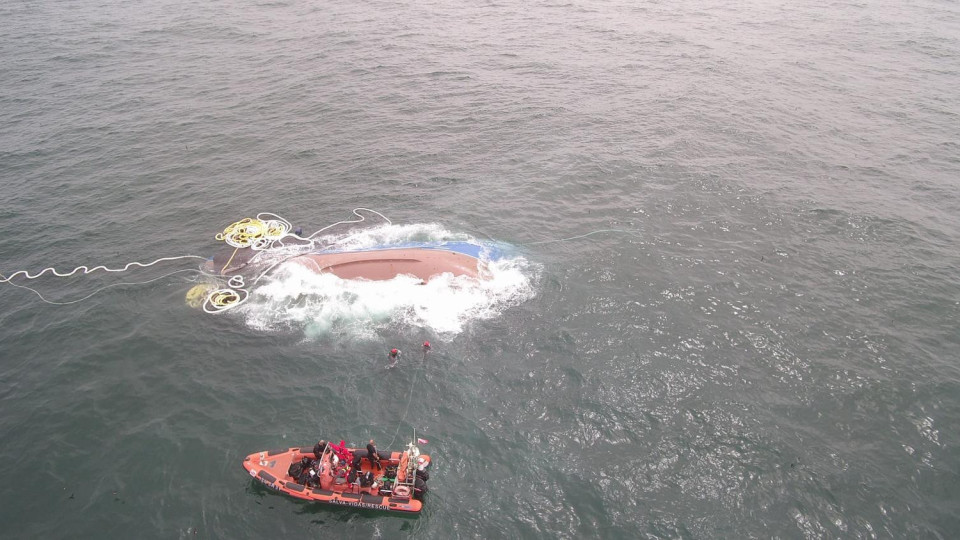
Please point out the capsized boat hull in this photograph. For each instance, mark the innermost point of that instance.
(385, 264)
(421, 260)
(271, 467)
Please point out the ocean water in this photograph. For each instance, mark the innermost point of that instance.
(730, 308)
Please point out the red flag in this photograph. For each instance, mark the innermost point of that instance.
(422, 441)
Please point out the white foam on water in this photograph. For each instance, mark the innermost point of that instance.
(394, 234)
(296, 297)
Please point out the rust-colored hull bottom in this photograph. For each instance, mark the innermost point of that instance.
(387, 264)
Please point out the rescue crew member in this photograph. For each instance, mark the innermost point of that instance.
(319, 448)
(394, 356)
(372, 454)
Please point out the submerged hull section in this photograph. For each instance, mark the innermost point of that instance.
(385, 264)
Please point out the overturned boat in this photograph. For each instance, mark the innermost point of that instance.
(262, 245)
(421, 260)
(334, 474)
(261, 242)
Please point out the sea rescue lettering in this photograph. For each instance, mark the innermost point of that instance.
(268, 484)
(359, 504)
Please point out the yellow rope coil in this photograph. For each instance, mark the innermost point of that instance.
(224, 298)
(253, 233)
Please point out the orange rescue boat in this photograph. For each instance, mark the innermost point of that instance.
(345, 476)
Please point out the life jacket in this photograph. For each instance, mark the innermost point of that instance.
(340, 450)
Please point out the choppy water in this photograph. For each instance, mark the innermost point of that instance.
(762, 343)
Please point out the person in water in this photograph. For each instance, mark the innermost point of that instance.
(372, 454)
(394, 357)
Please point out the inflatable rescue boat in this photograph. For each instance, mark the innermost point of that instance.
(337, 475)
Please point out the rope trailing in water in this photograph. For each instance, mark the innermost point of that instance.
(36, 292)
(630, 233)
(356, 213)
(87, 270)
(261, 233)
(410, 395)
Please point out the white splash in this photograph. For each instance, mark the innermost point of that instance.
(393, 234)
(295, 297)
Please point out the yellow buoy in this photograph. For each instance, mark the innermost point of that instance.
(197, 294)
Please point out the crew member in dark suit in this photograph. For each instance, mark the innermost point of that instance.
(319, 448)
(372, 455)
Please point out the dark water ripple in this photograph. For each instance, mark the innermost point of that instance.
(762, 344)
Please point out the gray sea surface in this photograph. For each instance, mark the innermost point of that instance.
(741, 221)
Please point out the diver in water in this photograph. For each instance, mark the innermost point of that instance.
(394, 356)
